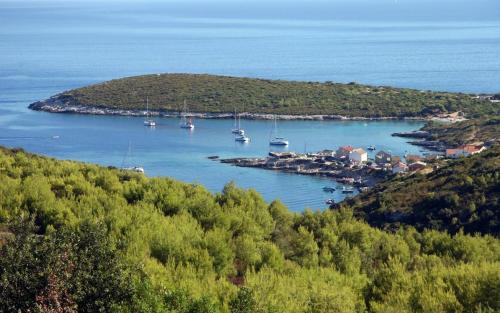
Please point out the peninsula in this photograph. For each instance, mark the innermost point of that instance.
(211, 96)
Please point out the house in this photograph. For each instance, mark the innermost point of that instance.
(395, 159)
(343, 152)
(412, 158)
(417, 166)
(382, 158)
(464, 151)
(358, 155)
(399, 167)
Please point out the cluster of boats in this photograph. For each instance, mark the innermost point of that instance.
(187, 123)
(345, 190)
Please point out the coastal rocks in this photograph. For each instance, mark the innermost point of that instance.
(67, 104)
(413, 134)
(424, 140)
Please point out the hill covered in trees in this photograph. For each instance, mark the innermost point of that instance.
(82, 238)
(222, 94)
(464, 196)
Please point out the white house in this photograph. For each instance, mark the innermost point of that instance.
(399, 167)
(358, 155)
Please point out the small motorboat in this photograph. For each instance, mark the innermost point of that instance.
(137, 169)
(242, 138)
(328, 189)
(278, 141)
(330, 201)
(347, 189)
(372, 148)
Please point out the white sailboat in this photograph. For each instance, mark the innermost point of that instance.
(148, 121)
(276, 140)
(134, 168)
(186, 123)
(237, 126)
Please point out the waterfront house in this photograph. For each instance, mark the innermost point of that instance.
(399, 167)
(358, 155)
(382, 158)
(343, 152)
(464, 150)
(417, 166)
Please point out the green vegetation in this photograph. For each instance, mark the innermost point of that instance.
(79, 237)
(463, 196)
(220, 94)
(469, 131)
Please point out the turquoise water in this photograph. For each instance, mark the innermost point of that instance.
(168, 150)
(50, 46)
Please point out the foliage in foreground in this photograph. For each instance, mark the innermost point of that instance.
(127, 243)
(222, 94)
(464, 196)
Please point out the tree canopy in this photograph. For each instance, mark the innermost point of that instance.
(78, 238)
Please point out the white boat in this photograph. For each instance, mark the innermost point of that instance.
(134, 168)
(372, 148)
(148, 121)
(138, 169)
(237, 126)
(276, 140)
(186, 123)
(347, 189)
(242, 138)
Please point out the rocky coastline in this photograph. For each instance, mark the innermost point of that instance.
(424, 139)
(57, 104)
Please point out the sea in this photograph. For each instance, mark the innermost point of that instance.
(47, 47)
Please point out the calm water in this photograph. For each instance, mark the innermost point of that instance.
(47, 47)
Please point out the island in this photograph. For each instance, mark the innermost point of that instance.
(212, 96)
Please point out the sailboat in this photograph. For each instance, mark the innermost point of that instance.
(148, 121)
(185, 122)
(138, 169)
(237, 127)
(276, 140)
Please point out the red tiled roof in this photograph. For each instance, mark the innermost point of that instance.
(346, 148)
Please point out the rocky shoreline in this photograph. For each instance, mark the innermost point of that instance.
(57, 104)
(424, 139)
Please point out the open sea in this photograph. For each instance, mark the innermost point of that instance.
(50, 46)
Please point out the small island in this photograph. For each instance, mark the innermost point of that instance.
(212, 96)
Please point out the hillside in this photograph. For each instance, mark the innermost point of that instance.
(469, 131)
(463, 195)
(221, 94)
(83, 238)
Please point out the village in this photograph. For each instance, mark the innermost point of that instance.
(351, 166)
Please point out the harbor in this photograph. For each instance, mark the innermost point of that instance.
(347, 165)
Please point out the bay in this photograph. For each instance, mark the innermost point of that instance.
(47, 47)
